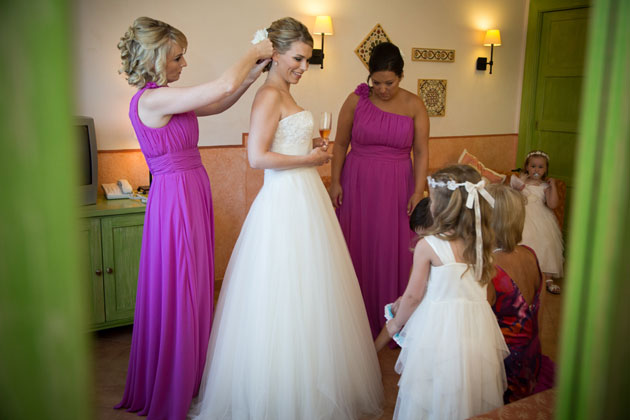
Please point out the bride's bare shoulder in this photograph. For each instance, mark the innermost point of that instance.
(267, 96)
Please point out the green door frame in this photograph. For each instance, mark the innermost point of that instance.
(530, 75)
(594, 374)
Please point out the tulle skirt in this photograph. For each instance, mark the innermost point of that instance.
(451, 362)
(542, 233)
(290, 338)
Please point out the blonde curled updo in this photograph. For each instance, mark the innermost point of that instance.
(284, 32)
(144, 49)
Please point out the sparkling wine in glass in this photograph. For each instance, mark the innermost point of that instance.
(325, 123)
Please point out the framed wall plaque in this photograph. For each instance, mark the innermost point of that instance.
(433, 93)
(433, 55)
(373, 38)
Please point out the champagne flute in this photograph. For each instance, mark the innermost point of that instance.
(325, 123)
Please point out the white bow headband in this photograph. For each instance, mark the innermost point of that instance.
(471, 202)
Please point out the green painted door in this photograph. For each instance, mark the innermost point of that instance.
(91, 258)
(558, 91)
(122, 241)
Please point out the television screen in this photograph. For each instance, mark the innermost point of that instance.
(85, 159)
(87, 175)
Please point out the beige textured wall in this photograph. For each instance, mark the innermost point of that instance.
(235, 184)
(480, 108)
(477, 103)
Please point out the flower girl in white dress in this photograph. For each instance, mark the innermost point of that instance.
(451, 362)
(290, 339)
(541, 231)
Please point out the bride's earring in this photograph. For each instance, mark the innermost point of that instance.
(275, 63)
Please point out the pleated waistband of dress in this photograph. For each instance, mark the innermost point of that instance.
(179, 161)
(381, 153)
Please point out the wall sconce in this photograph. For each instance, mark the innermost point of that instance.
(323, 26)
(493, 37)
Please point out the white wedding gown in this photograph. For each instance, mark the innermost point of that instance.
(290, 339)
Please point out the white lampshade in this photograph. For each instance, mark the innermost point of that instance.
(493, 37)
(323, 25)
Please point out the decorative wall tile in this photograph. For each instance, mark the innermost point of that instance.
(375, 37)
(433, 93)
(432, 54)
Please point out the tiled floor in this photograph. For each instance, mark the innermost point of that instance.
(111, 355)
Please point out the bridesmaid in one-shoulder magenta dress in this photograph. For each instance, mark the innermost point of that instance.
(174, 296)
(376, 185)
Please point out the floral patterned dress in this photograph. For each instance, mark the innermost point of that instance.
(518, 321)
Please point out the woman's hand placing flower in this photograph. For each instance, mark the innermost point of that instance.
(262, 46)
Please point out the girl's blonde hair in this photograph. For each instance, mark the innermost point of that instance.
(508, 217)
(144, 49)
(284, 32)
(453, 220)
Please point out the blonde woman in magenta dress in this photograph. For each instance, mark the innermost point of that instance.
(176, 275)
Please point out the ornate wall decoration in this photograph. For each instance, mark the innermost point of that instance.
(433, 93)
(373, 38)
(432, 54)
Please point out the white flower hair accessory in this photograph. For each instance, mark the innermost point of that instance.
(260, 35)
(472, 202)
(450, 184)
(537, 153)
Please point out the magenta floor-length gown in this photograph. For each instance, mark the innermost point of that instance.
(176, 279)
(377, 181)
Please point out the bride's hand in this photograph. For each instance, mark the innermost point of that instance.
(320, 142)
(319, 156)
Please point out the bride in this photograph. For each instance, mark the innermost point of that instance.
(290, 339)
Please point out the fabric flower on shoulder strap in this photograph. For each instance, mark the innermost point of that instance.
(363, 90)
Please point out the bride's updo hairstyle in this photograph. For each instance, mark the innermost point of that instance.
(452, 219)
(144, 49)
(386, 57)
(284, 32)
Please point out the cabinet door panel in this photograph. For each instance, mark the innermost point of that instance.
(92, 267)
(122, 241)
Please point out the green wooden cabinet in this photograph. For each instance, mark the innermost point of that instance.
(111, 239)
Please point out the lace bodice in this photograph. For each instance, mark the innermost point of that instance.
(294, 135)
